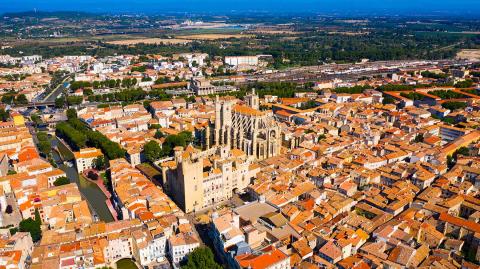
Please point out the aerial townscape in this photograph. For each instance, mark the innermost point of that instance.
(239, 139)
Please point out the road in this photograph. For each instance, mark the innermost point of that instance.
(57, 91)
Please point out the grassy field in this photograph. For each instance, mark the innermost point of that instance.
(126, 264)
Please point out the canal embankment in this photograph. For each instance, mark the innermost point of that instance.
(90, 191)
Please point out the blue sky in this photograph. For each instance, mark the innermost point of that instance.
(406, 7)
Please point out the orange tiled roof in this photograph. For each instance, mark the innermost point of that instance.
(270, 257)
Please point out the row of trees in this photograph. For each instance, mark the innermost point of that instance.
(44, 145)
(111, 149)
(163, 80)
(428, 74)
(74, 100)
(111, 83)
(413, 96)
(20, 99)
(454, 105)
(73, 137)
(352, 90)
(444, 94)
(472, 91)
(395, 87)
(78, 135)
(464, 84)
(129, 95)
(75, 85)
(16, 77)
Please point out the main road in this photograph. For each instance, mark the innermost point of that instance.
(57, 91)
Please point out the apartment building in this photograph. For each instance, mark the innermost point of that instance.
(84, 159)
(180, 246)
(241, 60)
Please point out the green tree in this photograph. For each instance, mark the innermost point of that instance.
(413, 96)
(74, 100)
(461, 151)
(429, 74)
(454, 105)
(182, 139)
(71, 113)
(38, 219)
(72, 136)
(36, 119)
(87, 92)
(146, 104)
(158, 134)
(152, 151)
(419, 138)
(21, 99)
(201, 258)
(444, 94)
(60, 102)
(187, 137)
(44, 143)
(352, 90)
(450, 161)
(140, 69)
(33, 226)
(99, 163)
(61, 181)
(154, 126)
(110, 149)
(388, 100)
(75, 85)
(464, 84)
(13, 230)
(8, 98)
(4, 115)
(45, 147)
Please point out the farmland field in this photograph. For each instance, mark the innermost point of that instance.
(213, 36)
(169, 41)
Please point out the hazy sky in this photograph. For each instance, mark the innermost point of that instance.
(406, 7)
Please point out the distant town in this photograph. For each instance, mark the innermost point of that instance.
(205, 148)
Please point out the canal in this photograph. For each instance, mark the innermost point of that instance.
(90, 191)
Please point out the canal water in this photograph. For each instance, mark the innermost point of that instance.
(90, 191)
